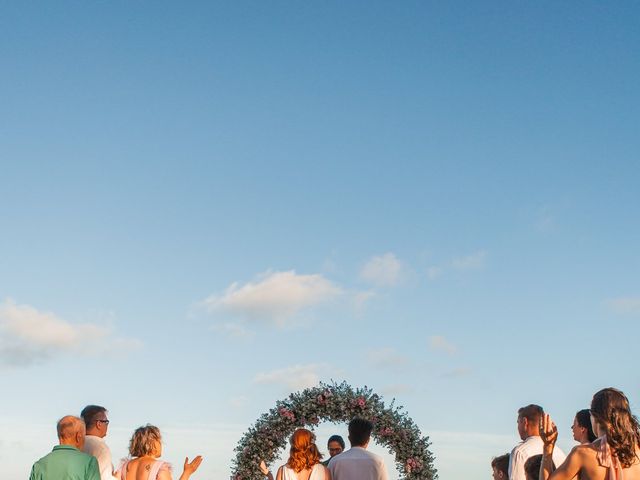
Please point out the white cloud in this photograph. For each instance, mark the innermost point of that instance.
(473, 261)
(296, 377)
(386, 358)
(439, 343)
(382, 271)
(624, 305)
(28, 336)
(274, 296)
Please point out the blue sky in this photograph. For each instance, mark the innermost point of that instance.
(206, 206)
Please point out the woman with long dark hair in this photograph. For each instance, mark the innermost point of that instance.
(581, 428)
(614, 455)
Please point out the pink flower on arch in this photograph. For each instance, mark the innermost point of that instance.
(286, 413)
(413, 464)
(359, 402)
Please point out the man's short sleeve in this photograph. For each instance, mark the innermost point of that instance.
(516, 465)
(93, 472)
(35, 474)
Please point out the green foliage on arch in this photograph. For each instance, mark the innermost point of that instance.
(337, 403)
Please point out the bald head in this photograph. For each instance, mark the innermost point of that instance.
(71, 431)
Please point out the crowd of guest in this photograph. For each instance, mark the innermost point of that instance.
(608, 437)
(82, 453)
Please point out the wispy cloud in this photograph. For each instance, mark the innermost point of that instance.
(274, 297)
(361, 299)
(624, 305)
(473, 261)
(295, 377)
(29, 336)
(382, 271)
(441, 344)
(386, 358)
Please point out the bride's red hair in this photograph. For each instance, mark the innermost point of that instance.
(304, 453)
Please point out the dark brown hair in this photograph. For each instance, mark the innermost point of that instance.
(359, 431)
(610, 408)
(90, 412)
(501, 464)
(531, 412)
(532, 467)
(583, 417)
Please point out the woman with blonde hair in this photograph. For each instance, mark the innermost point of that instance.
(304, 460)
(145, 449)
(614, 455)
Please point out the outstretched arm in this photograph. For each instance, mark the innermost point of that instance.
(190, 467)
(265, 470)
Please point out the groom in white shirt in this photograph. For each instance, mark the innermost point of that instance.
(357, 463)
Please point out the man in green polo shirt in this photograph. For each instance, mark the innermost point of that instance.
(66, 461)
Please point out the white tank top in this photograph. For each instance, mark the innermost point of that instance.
(317, 473)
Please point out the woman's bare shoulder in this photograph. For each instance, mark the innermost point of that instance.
(586, 450)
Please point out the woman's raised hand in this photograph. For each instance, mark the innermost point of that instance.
(191, 467)
(263, 468)
(548, 431)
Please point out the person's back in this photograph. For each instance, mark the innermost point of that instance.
(317, 472)
(591, 467)
(145, 449)
(65, 463)
(357, 463)
(145, 468)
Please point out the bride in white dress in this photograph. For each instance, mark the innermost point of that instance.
(304, 460)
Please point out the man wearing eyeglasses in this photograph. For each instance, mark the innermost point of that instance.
(95, 418)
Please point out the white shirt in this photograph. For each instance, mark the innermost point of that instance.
(357, 464)
(95, 446)
(528, 448)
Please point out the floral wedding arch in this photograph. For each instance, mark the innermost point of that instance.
(337, 403)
